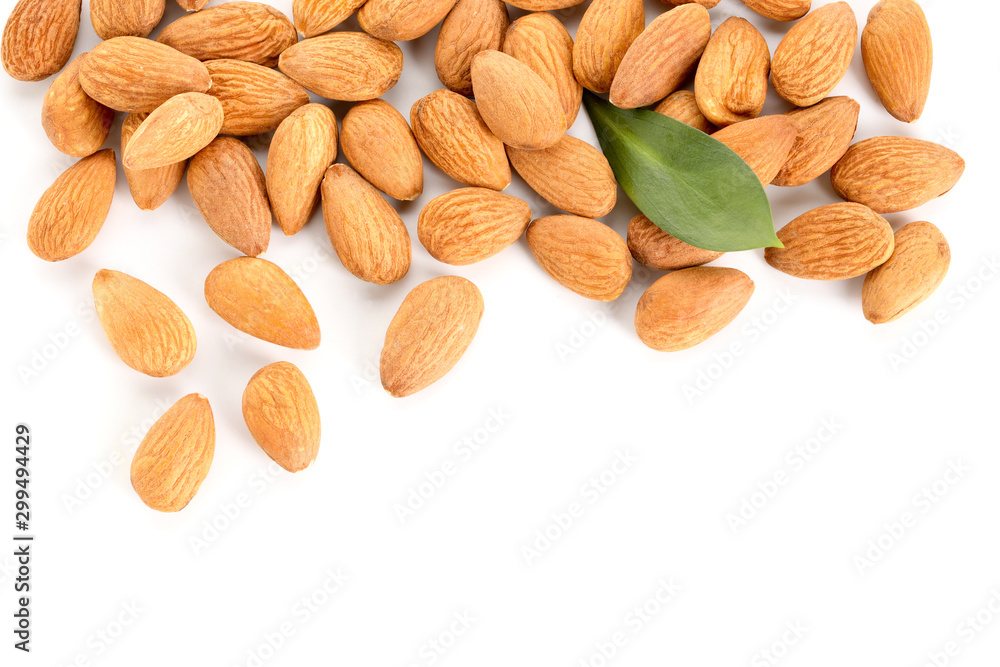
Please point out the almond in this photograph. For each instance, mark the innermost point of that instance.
(581, 254)
(764, 143)
(823, 134)
(658, 250)
(150, 188)
(661, 57)
(606, 31)
(227, 185)
(832, 242)
(544, 5)
(258, 298)
(402, 20)
(682, 105)
(707, 4)
(892, 174)
(38, 38)
(916, 268)
(366, 232)
(430, 332)
(731, 81)
(471, 26)
(469, 225)
(452, 134)
(74, 122)
(137, 74)
(571, 175)
(145, 328)
(302, 148)
(115, 18)
(898, 55)
(780, 10)
(175, 455)
(175, 131)
(192, 5)
(814, 54)
(282, 415)
(541, 42)
(255, 99)
(380, 146)
(72, 211)
(314, 17)
(346, 66)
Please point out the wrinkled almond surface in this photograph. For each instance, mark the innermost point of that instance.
(823, 134)
(314, 17)
(402, 20)
(606, 31)
(282, 415)
(780, 10)
(764, 143)
(471, 26)
(469, 225)
(255, 99)
(814, 54)
(176, 130)
(731, 82)
(918, 265)
(114, 18)
(149, 188)
(571, 175)
(380, 146)
(346, 66)
(38, 38)
(898, 54)
(658, 250)
(74, 122)
(683, 106)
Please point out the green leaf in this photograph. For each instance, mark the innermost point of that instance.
(692, 186)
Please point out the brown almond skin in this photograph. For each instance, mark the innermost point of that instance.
(73, 209)
(115, 18)
(541, 42)
(302, 148)
(175, 131)
(581, 254)
(282, 415)
(380, 146)
(683, 106)
(893, 174)
(469, 225)
(898, 55)
(544, 5)
(227, 185)
(38, 38)
(764, 143)
(255, 99)
(366, 232)
(824, 133)
(658, 250)
(175, 455)
(430, 332)
(258, 298)
(571, 175)
(74, 122)
(147, 330)
(606, 31)
(687, 307)
(661, 57)
(833, 242)
(471, 26)
(452, 134)
(314, 17)
(192, 5)
(780, 10)
(731, 81)
(917, 267)
(150, 188)
(240, 30)
(402, 20)
(346, 66)
(814, 54)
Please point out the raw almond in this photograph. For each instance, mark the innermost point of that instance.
(823, 134)
(581, 254)
(764, 143)
(74, 122)
(346, 66)
(282, 415)
(658, 250)
(898, 55)
(683, 106)
(892, 174)
(366, 232)
(150, 188)
(380, 146)
(176, 130)
(115, 18)
(814, 54)
(544, 5)
(471, 26)
(832, 242)
(72, 211)
(571, 175)
(38, 38)
(147, 330)
(430, 332)
(192, 5)
(541, 42)
(255, 99)
(175, 455)
(661, 57)
(469, 225)
(731, 81)
(258, 298)
(302, 148)
(227, 185)
(916, 268)
(314, 17)
(780, 10)
(707, 4)
(606, 31)
(402, 20)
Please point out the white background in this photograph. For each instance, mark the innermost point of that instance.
(115, 583)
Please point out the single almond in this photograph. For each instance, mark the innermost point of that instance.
(823, 134)
(898, 54)
(380, 146)
(541, 42)
(282, 415)
(682, 105)
(74, 122)
(402, 20)
(764, 143)
(916, 268)
(175, 131)
(430, 332)
(255, 99)
(469, 225)
(780, 10)
(314, 17)
(73, 209)
(150, 188)
(115, 18)
(707, 4)
(192, 5)
(731, 82)
(544, 5)
(606, 31)
(658, 250)
(147, 330)
(346, 66)
(814, 54)
(571, 175)
(470, 27)
(38, 38)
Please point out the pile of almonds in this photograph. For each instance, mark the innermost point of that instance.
(511, 90)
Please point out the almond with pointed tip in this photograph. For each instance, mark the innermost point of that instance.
(255, 99)
(814, 54)
(606, 32)
(402, 20)
(74, 122)
(314, 17)
(658, 250)
(898, 55)
(469, 225)
(541, 42)
(571, 175)
(544, 5)
(282, 415)
(780, 10)
(823, 134)
(150, 188)
(176, 130)
(470, 27)
(916, 268)
(764, 143)
(380, 146)
(731, 81)
(707, 4)
(683, 106)
(115, 18)
(346, 66)
(192, 5)
(38, 38)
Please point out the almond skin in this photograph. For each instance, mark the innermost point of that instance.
(174, 457)
(780, 10)
(687, 307)
(255, 99)
(402, 20)
(824, 133)
(72, 211)
(544, 5)
(380, 146)
(571, 175)
(452, 134)
(227, 185)
(581, 254)
(833, 242)
(471, 26)
(707, 4)
(74, 122)
(898, 54)
(916, 268)
(366, 232)
(192, 5)
(731, 82)
(302, 148)
(150, 188)
(175, 131)
(764, 143)
(145, 328)
(314, 17)
(658, 250)
(115, 18)
(469, 225)
(892, 174)
(682, 105)
(346, 66)
(38, 38)
(430, 332)
(258, 298)
(606, 31)
(541, 42)
(661, 57)
(282, 415)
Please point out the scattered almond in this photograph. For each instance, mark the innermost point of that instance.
(814, 54)
(764, 143)
(314, 17)
(823, 134)
(38, 38)
(898, 55)
(780, 10)
(544, 5)
(255, 99)
(683, 106)
(176, 130)
(282, 415)
(658, 250)
(471, 26)
(115, 18)
(74, 122)
(402, 20)
(606, 31)
(916, 268)
(150, 188)
(192, 5)
(469, 225)
(731, 81)
(380, 146)
(346, 66)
